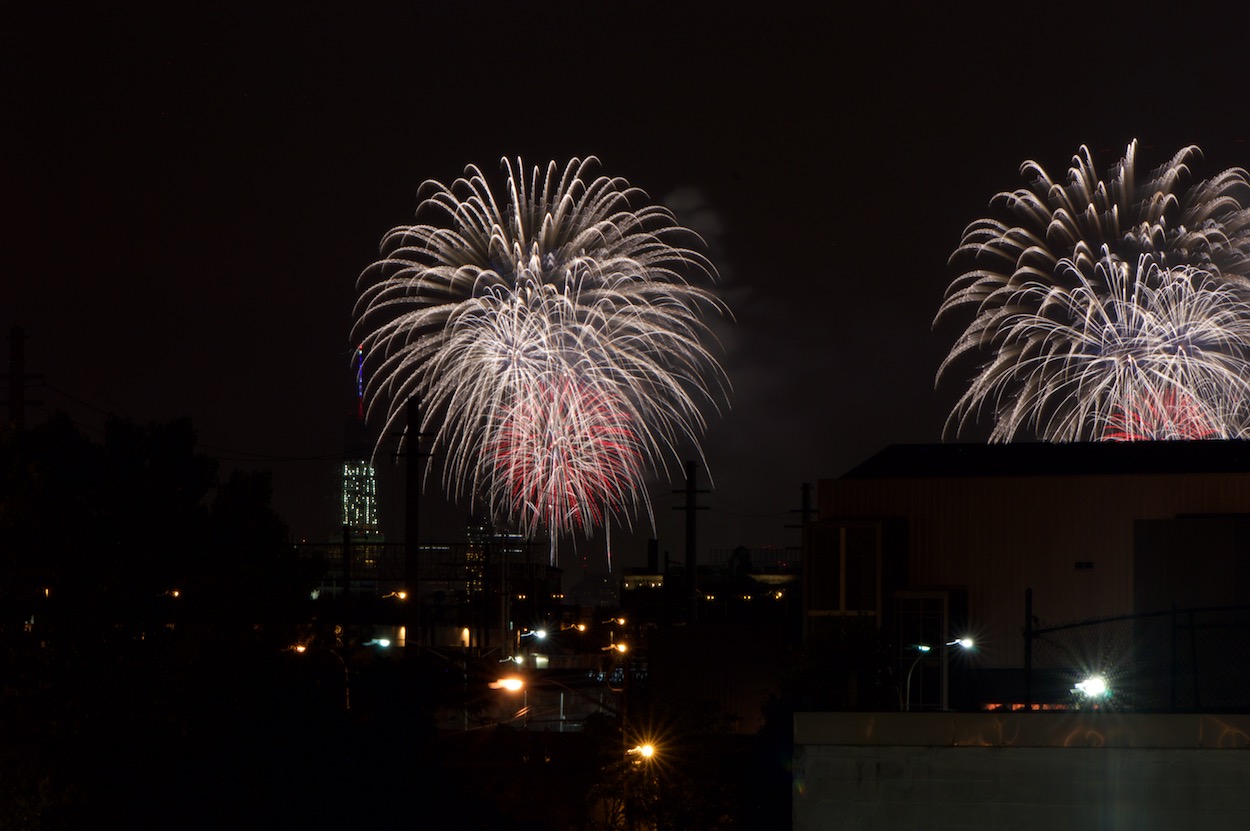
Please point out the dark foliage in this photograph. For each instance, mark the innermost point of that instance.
(142, 606)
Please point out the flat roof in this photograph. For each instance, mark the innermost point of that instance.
(910, 461)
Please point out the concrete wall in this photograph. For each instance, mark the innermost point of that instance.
(1021, 771)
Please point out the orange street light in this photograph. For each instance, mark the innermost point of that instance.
(646, 751)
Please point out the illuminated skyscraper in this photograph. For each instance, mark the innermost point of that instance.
(361, 536)
(360, 496)
(359, 506)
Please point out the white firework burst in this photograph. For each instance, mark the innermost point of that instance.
(554, 335)
(1136, 352)
(1070, 239)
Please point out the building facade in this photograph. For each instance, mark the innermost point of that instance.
(1000, 542)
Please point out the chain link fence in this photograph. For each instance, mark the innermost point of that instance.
(1181, 660)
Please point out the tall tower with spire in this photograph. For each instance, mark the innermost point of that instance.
(359, 505)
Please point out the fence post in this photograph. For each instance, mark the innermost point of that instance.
(1193, 658)
(1028, 649)
(1174, 624)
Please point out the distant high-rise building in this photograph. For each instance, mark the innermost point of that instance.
(484, 541)
(358, 484)
(360, 496)
(364, 544)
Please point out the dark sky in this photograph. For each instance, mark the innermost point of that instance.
(190, 195)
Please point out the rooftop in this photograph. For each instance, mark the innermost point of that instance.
(1058, 459)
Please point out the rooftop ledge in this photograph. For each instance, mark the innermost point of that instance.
(1061, 729)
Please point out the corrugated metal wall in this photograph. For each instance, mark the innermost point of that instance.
(1069, 538)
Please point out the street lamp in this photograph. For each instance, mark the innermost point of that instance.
(1094, 688)
(509, 684)
(514, 684)
(924, 649)
(301, 649)
(644, 751)
(347, 678)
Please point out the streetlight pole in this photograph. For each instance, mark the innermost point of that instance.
(347, 681)
(924, 649)
(347, 678)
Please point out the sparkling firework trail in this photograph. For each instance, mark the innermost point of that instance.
(1034, 279)
(1134, 353)
(565, 451)
(553, 336)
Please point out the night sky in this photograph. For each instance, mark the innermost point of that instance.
(190, 195)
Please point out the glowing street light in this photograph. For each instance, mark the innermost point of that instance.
(514, 684)
(646, 751)
(924, 649)
(1094, 687)
(301, 649)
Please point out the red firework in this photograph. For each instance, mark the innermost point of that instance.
(1167, 416)
(564, 456)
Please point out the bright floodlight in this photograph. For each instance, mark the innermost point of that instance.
(965, 643)
(509, 684)
(1094, 686)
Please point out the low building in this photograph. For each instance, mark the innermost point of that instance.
(1012, 542)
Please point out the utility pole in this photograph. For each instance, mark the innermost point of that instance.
(347, 566)
(412, 527)
(805, 512)
(1028, 649)
(690, 507)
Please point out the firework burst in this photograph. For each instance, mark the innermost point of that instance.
(1137, 352)
(1037, 279)
(567, 455)
(555, 336)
